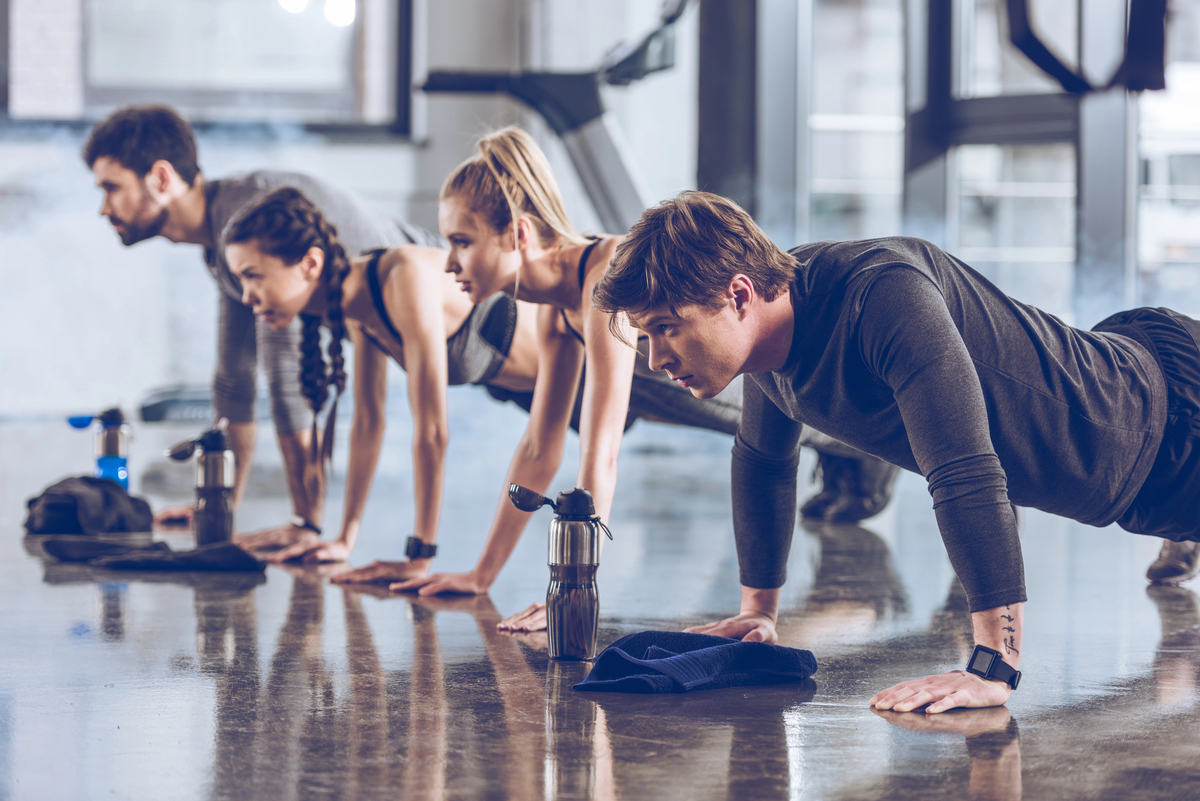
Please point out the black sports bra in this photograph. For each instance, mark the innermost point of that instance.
(476, 352)
(583, 260)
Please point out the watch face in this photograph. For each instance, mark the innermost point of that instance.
(981, 662)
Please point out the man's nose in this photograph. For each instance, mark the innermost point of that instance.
(106, 208)
(659, 358)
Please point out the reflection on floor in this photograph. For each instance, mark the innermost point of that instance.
(190, 686)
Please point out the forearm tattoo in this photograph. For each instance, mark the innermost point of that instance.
(1010, 641)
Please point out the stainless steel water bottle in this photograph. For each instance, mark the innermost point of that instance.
(112, 444)
(572, 599)
(215, 473)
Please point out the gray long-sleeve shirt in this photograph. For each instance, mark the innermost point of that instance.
(905, 352)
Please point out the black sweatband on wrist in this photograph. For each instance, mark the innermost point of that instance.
(416, 549)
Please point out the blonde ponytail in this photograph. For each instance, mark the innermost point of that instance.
(510, 177)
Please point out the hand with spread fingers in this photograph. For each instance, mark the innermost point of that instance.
(312, 551)
(382, 572)
(532, 618)
(274, 537)
(748, 626)
(953, 690)
(461, 583)
(174, 517)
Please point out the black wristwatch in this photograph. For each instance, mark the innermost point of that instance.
(988, 664)
(303, 522)
(415, 549)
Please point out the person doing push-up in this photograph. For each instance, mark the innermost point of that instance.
(897, 348)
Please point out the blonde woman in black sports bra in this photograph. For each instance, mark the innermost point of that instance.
(397, 302)
(502, 213)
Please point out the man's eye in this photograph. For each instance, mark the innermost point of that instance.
(664, 328)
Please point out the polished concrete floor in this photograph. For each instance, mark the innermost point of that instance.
(123, 685)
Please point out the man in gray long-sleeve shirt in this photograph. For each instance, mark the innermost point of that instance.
(897, 348)
(145, 161)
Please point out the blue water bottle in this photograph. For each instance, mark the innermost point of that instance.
(112, 444)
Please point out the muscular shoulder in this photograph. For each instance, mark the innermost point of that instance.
(411, 265)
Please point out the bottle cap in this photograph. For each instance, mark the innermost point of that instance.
(111, 418)
(214, 440)
(576, 504)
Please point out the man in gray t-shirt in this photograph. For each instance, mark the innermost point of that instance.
(144, 159)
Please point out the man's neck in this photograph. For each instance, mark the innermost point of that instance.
(773, 342)
(188, 223)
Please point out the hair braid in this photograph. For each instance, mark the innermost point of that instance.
(286, 225)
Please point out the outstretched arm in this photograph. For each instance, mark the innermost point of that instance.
(920, 354)
(366, 439)
(413, 295)
(601, 421)
(560, 360)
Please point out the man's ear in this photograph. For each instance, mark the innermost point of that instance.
(740, 294)
(161, 178)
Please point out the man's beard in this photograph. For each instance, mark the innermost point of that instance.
(142, 226)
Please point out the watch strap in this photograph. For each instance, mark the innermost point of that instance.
(998, 669)
(416, 549)
(300, 521)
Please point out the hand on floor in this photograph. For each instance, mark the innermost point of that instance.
(274, 537)
(532, 618)
(953, 690)
(462, 583)
(312, 551)
(174, 517)
(384, 572)
(748, 626)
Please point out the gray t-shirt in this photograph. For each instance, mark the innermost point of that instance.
(905, 352)
(359, 227)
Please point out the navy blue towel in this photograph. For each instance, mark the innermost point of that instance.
(155, 556)
(676, 661)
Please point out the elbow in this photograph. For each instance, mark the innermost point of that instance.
(368, 421)
(546, 455)
(603, 458)
(434, 438)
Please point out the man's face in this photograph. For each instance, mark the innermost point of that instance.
(701, 349)
(128, 204)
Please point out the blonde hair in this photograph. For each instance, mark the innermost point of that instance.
(510, 177)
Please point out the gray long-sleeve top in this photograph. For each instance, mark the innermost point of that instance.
(905, 352)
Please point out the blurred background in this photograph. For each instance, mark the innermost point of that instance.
(802, 110)
(826, 119)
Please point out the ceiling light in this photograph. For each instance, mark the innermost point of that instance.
(340, 12)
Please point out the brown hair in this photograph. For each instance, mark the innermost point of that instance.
(684, 252)
(137, 136)
(510, 177)
(285, 224)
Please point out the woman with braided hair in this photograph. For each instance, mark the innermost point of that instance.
(398, 302)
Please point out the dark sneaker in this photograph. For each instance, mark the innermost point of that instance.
(1176, 562)
(852, 489)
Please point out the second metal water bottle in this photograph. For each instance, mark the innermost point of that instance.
(572, 599)
(215, 473)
